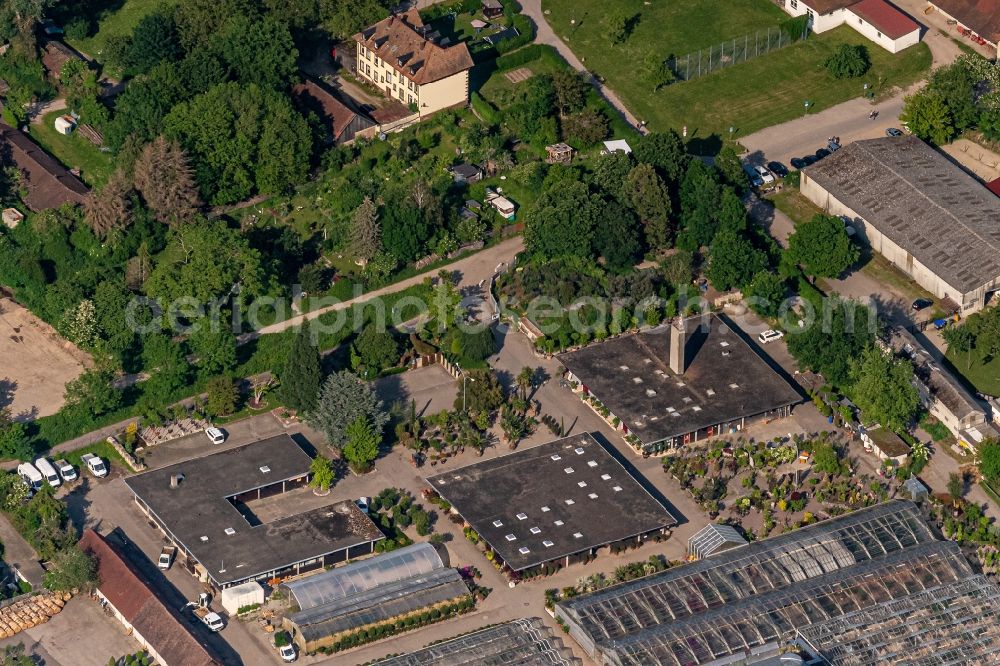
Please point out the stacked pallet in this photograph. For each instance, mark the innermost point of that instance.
(29, 612)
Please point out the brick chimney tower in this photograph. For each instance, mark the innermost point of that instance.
(678, 345)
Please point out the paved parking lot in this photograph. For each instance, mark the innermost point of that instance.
(431, 387)
(81, 635)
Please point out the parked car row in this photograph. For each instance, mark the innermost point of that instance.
(55, 474)
(758, 175)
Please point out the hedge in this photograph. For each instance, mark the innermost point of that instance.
(484, 109)
(526, 34)
(400, 625)
(524, 56)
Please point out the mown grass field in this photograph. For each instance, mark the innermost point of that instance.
(112, 22)
(749, 96)
(74, 151)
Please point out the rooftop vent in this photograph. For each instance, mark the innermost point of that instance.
(578, 450)
(623, 368)
(536, 530)
(606, 477)
(556, 456)
(582, 484)
(547, 543)
(617, 489)
(577, 535)
(522, 516)
(570, 502)
(592, 495)
(264, 469)
(558, 523)
(524, 550)
(175, 480)
(696, 408)
(734, 386)
(568, 470)
(591, 463)
(637, 380)
(545, 509)
(710, 391)
(723, 344)
(497, 523)
(230, 531)
(650, 393)
(511, 537)
(204, 538)
(725, 353)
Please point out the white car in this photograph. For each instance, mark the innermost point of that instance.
(66, 471)
(213, 621)
(764, 174)
(215, 435)
(94, 464)
(288, 653)
(770, 336)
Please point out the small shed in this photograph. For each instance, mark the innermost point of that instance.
(713, 539)
(915, 489)
(616, 146)
(12, 217)
(479, 24)
(497, 37)
(501, 204)
(885, 444)
(466, 173)
(492, 8)
(65, 124)
(240, 596)
(558, 153)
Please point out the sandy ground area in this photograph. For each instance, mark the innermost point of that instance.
(35, 363)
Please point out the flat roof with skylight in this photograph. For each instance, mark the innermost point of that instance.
(681, 378)
(205, 505)
(562, 498)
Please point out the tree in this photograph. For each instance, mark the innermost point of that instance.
(260, 51)
(765, 293)
(13, 655)
(366, 234)
(14, 441)
(822, 247)
(826, 459)
(617, 237)
(343, 399)
(322, 473)
(989, 123)
(154, 40)
(214, 345)
(989, 460)
(928, 116)
(205, 260)
(960, 339)
(650, 200)
(732, 214)
(222, 396)
(259, 386)
(956, 487)
(831, 338)
(957, 86)
(524, 380)
(109, 209)
(301, 373)
(699, 197)
(71, 570)
(571, 90)
(882, 387)
(849, 61)
(165, 180)
(422, 522)
(481, 391)
(620, 26)
(733, 261)
(731, 169)
(361, 448)
(587, 126)
(658, 71)
(93, 392)
(475, 346)
(141, 108)
(665, 152)
(678, 269)
(561, 221)
(375, 349)
(199, 22)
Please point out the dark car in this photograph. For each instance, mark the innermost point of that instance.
(798, 163)
(892, 131)
(922, 303)
(778, 169)
(809, 159)
(821, 153)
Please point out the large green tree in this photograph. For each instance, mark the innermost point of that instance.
(700, 198)
(71, 570)
(154, 40)
(361, 448)
(617, 237)
(650, 199)
(822, 247)
(765, 293)
(665, 152)
(928, 116)
(260, 51)
(733, 261)
(989, 459)
(242, 139)
(344, 399)
(205, 260)
(832, 337)
(562, 221)
(849, 61)
(301, 373)
(882, 387)
(374, 350)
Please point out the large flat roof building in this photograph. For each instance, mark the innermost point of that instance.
(202, 506)
(682, 382)
(865, 564)
(932, 220)
(552, 503)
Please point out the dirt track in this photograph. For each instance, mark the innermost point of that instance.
(35, 363)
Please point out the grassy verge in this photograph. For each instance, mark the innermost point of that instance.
(881, 269)
(100, 449)
(791, 202)
(984, 377)
(74, 151)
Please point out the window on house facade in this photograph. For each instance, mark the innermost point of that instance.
(795, 4)
(878, 33)
(860, 22)
(411, 85)
(411, 99)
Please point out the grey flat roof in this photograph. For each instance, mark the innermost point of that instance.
(920, 201)
(527, 494)
(199, 508)
(726, 379)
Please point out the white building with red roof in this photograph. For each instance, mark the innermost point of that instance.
(878, 20)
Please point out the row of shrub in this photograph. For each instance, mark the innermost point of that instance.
(380, 631)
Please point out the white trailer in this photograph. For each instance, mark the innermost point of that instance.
(48, 472)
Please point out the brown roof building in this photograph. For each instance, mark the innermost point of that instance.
(55, 54)
(343, 123)
(135, 604)
(48, 183)
(980, 16)
(403, 58)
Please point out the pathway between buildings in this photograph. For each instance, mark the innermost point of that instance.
(19, 554)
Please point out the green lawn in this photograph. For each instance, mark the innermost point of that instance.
(74, 151)
(985, 377)
(791, 202)
(750, 96)
(116, 22)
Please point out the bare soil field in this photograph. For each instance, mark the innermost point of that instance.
(35, 363)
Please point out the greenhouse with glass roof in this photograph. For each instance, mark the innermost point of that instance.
(741, 599)
(337, 602)
(524, 642)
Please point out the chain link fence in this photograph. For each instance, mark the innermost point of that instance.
(699, 63)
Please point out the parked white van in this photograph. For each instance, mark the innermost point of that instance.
(48, 472)
(31, 476)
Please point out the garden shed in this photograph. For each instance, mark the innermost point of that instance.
(713, 539)
(492, 8)
(558, 153)
(241, 596)
(915, 489)
(65, 124)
